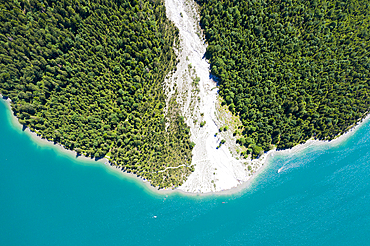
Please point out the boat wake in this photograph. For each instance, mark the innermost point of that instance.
(280, 170)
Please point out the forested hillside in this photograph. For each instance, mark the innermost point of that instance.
(89, 74)
(291, 69)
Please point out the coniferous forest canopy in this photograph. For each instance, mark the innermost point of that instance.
(89, 74)
(291, 69)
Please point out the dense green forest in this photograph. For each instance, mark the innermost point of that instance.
(89, 74)
(291, 69)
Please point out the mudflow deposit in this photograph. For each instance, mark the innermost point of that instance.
(216, 168)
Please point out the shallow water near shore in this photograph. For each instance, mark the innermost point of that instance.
(320, 197)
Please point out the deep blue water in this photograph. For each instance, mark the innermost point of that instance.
(322, 197)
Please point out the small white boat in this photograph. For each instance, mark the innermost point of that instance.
(280, 169)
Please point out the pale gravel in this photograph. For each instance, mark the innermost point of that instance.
(215, 169)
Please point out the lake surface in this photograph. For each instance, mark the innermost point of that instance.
(321, 197)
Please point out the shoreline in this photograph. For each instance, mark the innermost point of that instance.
(314, 142)
(296, 149)
(71, 154)
(150, 189)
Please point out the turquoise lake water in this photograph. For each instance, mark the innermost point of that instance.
(322, 197)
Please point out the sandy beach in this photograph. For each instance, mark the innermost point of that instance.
(44, 143)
